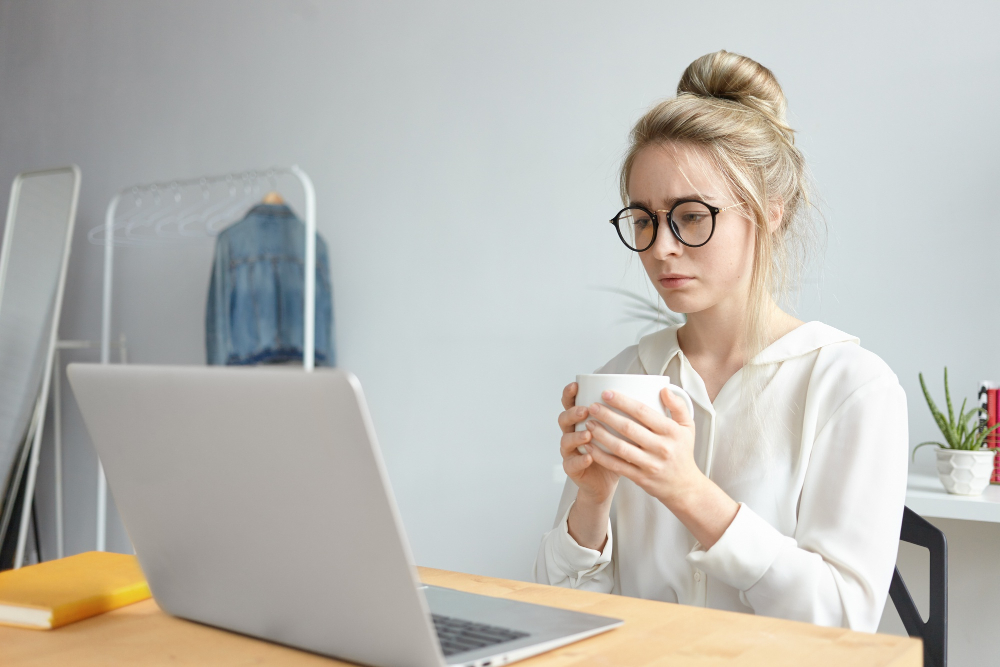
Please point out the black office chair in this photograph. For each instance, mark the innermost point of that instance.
(934, 632)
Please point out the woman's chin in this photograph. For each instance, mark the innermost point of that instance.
(681, 306)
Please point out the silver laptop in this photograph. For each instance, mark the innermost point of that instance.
(257, 501)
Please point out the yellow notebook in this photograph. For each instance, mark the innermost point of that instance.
(61, 591)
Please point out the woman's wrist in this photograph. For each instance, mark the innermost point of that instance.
(685, 493)
(595, 499)
(587, 522)
(704, 509)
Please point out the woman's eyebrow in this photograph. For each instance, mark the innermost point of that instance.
(670, 201)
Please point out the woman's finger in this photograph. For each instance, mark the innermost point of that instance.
(642, 413)
(620, 449)
(570, 441)
(577, 463)
(677, 406)
(613, 463)
(568, 419)
(569, 395)
(627, 428)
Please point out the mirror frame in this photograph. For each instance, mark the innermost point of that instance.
(24, 463)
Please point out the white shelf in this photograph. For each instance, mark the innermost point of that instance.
(926, 496)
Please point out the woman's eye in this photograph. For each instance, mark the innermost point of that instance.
(642, 223)
(692, 218)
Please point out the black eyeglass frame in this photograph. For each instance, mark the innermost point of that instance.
(670, 221)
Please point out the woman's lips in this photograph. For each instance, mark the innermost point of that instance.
(674, 280)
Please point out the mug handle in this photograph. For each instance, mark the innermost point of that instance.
(674, 389)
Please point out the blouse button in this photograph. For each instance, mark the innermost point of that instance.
(697, 576)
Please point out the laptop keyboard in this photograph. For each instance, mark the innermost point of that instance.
(457, 636)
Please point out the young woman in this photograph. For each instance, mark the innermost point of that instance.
(783, 493)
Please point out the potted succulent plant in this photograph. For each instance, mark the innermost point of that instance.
(963, 465)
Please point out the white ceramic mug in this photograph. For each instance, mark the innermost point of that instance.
(643, 388)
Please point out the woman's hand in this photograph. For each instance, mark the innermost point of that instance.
(594, 481)
(661, 460)
(588, 518)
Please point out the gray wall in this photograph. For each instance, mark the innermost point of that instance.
(484, 139)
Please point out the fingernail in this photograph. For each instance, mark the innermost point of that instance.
(591, 426)
(593, 408)
(608, 395)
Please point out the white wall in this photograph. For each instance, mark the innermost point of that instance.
(484, 139)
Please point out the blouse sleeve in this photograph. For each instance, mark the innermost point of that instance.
(836, 568)
(563, 562)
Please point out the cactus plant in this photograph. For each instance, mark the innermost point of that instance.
(958, 433)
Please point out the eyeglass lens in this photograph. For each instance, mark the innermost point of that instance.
(692, 221)
(636, 228)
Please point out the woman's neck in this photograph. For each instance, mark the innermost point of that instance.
(714, 342)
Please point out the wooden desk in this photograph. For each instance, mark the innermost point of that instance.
(655, 633)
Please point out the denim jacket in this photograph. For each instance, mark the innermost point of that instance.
(255, 300)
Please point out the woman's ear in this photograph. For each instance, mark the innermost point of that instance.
(775, 214)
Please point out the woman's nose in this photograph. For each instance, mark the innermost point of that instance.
(666, 244)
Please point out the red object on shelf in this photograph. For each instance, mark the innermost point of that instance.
(992, 440)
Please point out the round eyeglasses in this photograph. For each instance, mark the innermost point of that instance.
(692, 222)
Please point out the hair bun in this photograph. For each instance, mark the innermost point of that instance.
(730, 76)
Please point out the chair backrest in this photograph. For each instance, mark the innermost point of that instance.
(933, 632)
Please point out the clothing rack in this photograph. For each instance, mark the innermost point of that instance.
(186, 210)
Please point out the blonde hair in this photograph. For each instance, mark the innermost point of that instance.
(732, 108)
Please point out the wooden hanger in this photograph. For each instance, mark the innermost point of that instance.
(273, 198)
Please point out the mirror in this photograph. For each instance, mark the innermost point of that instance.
(33, 261)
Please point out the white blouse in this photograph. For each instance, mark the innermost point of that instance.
(821, 496)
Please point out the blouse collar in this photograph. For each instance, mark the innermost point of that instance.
(657, 349)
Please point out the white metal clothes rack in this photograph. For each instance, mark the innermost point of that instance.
(183, 210)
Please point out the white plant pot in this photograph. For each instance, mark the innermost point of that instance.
(965, 473)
